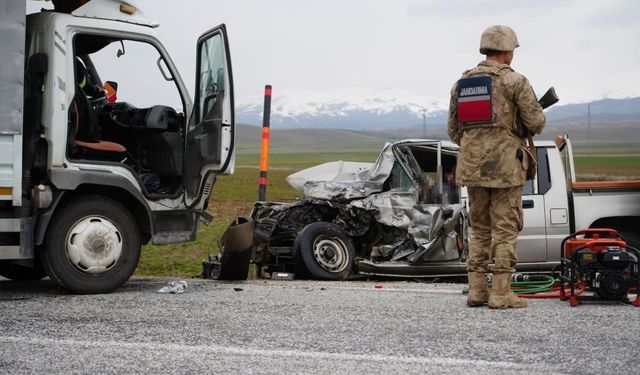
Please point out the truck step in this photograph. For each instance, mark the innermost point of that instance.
(10, 225)
(11, 252)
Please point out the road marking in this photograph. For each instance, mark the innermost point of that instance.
(281, 353)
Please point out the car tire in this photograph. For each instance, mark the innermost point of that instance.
(17, 272)
(325, 251)
(92, 245)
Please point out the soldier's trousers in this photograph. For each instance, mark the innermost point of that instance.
(495, 216)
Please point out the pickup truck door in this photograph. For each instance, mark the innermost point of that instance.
(532, 244)
(210, 136)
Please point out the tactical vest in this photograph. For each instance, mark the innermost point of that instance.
(478, 98)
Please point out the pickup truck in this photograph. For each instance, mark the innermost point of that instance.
(92, 169)
(403, 215)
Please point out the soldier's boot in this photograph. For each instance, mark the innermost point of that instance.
(501, 296)
(478, 291)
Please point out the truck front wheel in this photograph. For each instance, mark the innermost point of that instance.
(92, 245)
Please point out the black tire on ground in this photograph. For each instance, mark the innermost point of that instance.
(19, 272)
(92, 245)
(325, 251)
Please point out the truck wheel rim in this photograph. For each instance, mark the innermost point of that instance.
(93, 245)
(330, 253)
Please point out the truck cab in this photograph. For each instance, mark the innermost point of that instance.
(108, 150)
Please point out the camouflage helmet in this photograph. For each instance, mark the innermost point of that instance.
(498, 38)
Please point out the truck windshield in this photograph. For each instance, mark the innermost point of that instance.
(140, 81)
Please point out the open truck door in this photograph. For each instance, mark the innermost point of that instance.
(210, 136)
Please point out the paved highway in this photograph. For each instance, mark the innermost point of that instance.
(305, 327)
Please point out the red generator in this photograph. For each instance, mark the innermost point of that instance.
(598, 260)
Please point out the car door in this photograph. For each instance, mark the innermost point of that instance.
(532, 244)
(210, 136)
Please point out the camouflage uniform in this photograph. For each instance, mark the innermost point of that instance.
(488, 166)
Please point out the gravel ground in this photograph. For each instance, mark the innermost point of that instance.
(304, 327)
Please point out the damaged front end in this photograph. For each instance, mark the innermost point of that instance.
(400, 216)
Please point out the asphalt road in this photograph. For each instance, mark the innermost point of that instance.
(303, 327)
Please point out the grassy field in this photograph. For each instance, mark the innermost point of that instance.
(607, 167)
(234, 196)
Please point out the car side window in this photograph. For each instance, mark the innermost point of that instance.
(398, 178)
(543, 177)
(527, 189)
(544, 174)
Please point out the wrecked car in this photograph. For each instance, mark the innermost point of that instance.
(402, 215)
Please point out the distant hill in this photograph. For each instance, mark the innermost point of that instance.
(604, 110)
(391, 110)
(324, 123)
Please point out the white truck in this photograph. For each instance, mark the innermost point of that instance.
(87, 178)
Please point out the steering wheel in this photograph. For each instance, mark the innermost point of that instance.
(98, 102)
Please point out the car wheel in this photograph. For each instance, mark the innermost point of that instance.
(18, 272)
(325, 251)
(92, 245)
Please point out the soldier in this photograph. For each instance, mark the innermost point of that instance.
(485, 105)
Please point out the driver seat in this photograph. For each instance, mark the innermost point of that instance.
(97, 145)
(86, 126)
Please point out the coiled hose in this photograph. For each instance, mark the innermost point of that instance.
(538, 286)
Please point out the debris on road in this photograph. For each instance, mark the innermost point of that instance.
(282, 276)
(174, 287)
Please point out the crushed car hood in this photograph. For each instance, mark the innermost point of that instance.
(341, 180)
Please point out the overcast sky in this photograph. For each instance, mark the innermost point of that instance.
(587, 49)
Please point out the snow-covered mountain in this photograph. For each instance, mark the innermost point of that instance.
(358, 109)
(390, 109)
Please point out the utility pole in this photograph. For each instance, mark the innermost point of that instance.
(424, 122)
(589, 128)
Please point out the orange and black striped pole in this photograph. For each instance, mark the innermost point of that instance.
(264, 154)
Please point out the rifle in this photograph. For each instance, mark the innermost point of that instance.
(547, 100)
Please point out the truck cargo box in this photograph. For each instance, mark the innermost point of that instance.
(12, 29)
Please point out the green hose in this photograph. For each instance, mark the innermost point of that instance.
(529, 287)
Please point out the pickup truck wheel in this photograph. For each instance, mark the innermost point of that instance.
(633, 239)
(325, 251)
(18, 272)
(92, 245)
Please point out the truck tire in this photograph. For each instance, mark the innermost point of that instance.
(18, 272)
(92, 245)
(325, 251)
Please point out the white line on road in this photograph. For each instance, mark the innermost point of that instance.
(281, 353)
